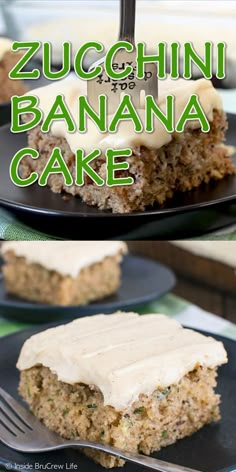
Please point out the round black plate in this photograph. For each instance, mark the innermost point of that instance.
(143, 280)
(209, 450)
(73, 219)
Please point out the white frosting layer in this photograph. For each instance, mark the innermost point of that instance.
(65, 257)
(5, 45)
(221, 251)
(123, 354)
(126, 136)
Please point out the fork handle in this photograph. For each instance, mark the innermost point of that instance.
(135, 458)
(127, 20)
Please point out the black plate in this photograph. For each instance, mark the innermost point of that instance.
(73, 219)
(143, 280)
(209, 450)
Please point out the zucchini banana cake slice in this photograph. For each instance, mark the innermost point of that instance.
(161, 163)
(135, 382)
(8, 60)
(62, 272)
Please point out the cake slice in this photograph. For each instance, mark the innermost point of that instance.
(8, 60)
(62, 273)
(138, 383)
(161, 163)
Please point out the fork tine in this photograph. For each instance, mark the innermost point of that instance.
(9, 426)
(136, 101)
(15, 419)
(26, 417)
(5, 436)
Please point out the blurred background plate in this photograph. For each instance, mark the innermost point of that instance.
(5, 108)
(86, 20)
(143, 280)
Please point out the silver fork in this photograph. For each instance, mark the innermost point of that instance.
(23, 432)
(132, 86)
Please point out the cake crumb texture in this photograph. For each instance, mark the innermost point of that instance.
(150, 423)
(10, 87)
(34, 282)
(191, 159)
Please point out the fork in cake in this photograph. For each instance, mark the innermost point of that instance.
(136, 383)
(21, 431)
(134, 87)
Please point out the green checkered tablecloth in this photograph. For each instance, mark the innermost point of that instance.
(171, 305)
(12, 229)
